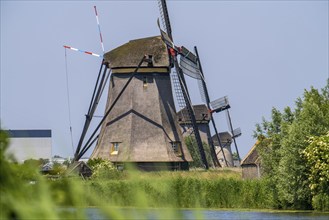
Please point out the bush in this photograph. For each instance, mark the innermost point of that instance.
(103, 169)
(320, 202)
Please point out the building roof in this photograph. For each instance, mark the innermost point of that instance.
(201, 112)
(131, 53)
(252, 156)
(225, 137)
(29, 133)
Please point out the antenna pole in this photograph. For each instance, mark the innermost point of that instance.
(68, 100)
(99, 29)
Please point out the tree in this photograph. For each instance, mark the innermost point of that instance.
(282, 141)
(192, 146)
(312, 119)
(317, 159)
(235, 156)
(269, 138)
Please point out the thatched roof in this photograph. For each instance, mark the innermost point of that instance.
(225, 137)
(201, 112)
(131, 53)
(252, 157)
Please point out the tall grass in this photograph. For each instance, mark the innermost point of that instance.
(184, 192)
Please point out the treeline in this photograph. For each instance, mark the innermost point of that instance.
(294, 148)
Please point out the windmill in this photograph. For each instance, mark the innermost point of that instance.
(142, 127)
(140, 122)
(222, 105)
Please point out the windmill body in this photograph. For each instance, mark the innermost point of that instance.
(142, 127)
(202, 117)
(225, 151)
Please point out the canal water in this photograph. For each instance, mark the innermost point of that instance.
(95, 214)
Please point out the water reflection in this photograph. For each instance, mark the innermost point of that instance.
(95, 213)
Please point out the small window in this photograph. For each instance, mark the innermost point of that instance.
(115, 148)
(177, 147)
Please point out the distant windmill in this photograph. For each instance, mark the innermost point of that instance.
(219, 105)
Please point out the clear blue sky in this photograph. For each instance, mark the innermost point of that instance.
(259, 53)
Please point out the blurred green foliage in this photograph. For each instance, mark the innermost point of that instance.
(103, 169)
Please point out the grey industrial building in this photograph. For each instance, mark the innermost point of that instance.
(30, 144)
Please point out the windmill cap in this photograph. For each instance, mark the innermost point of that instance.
(129, 55)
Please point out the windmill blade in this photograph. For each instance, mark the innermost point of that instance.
(202, 91)
(229, 125)
(189, 68)
(178, 90)
(220, 104)
(82, 51)
(237, 132)
(165, 17)
(192, 69)
(99, 29)
(162, 15)
(186, 53)
(165, 37)
(205, 95)
(234, 132)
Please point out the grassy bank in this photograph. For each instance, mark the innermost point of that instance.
(196, 189)
(222, 188)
